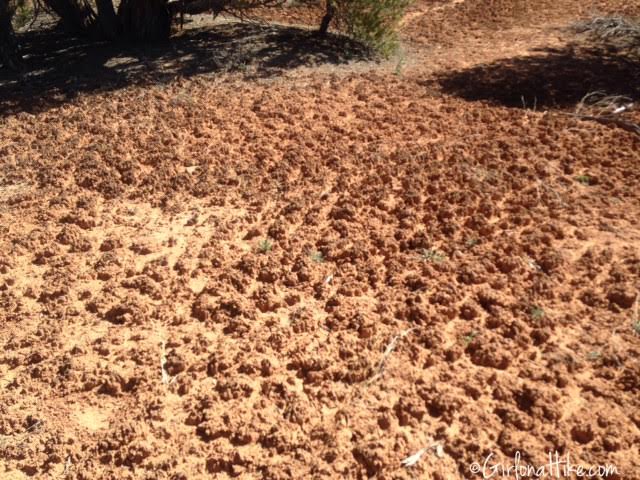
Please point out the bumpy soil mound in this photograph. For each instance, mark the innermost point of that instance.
(314, 276)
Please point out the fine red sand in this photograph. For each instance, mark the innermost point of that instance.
(320, 273)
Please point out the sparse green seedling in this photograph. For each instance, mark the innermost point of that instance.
(400, 64)
(317, 257)
(584, 179)
(537, 313)
(432, 255)
(265, 246)
(469, 338)
(636, 320)
(471, 242)
(243, 66)
(593, 356)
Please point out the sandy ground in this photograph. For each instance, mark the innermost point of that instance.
(321, 272)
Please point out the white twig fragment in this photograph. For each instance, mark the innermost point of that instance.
(67, 467)
(166, 378)
(623, 108)
(388, 351)
(413, 459)
(531, 264)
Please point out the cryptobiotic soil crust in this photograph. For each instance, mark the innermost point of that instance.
(321, 274)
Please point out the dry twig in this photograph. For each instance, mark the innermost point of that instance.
(387, 353)
(606, 110)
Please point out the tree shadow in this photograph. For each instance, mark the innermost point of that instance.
(550, 78)
(59, 67)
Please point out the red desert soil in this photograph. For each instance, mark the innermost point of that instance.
(320, 273)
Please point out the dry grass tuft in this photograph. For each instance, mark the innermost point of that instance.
(620, 31)
(607, 110)
(599, 104)
(20, 438)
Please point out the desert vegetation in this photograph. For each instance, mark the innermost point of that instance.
(324, 240)
(374, 23)
(616, 30)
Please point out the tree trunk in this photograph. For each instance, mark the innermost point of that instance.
(77, 15)
(145, 20)
(328, 16)
(107, 19)
(194, 7)
(9, 51)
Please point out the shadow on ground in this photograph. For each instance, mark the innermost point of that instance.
(58, 67)
(550, 78)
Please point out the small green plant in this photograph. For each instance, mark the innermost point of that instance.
(584, 179)
(243, 66)
(400, 64)
(432, 255)
(373, 22)
(537, 313)
(636, 320)
(467, 339)
(317, 256)
(593, 356)
(265, 246)
(471, 242)
(23, 14)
